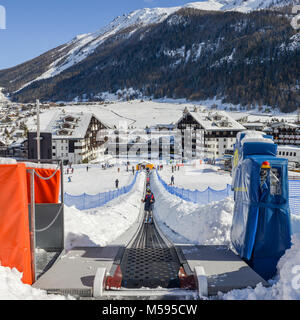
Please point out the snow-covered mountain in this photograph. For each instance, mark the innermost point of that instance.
(2, 97)
(238, 5)
(83, 45)
(172, 46)
(251, 5)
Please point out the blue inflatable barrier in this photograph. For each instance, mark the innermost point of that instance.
(261, 227)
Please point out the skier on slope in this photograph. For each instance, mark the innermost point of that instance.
(149, 200)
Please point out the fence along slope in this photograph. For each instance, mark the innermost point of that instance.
(196, 196)
(86, 201)
(211, 195)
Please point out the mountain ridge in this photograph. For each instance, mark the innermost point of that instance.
(86, 56)
(83, 45)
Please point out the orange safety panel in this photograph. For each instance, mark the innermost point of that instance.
(46, 191)
(14, 222)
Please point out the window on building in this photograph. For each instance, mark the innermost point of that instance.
(280, 153)
(295, 154)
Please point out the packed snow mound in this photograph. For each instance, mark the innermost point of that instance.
(287, 284)
(101, 226)
(295, 222)
(29, 164)
(200, 224)
(7, 161)
(12, 288)
(254, 136)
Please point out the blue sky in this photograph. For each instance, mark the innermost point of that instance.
(35, 26)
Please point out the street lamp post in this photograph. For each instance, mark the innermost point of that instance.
(38, 139)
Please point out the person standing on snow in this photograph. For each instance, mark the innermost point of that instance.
(149, 200)
(172, 181)
(117, 183)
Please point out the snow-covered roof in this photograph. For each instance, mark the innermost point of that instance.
(284, 124)
(70, 125)
(18, 143)
(288, 147)
(254, 124)
(215, 121)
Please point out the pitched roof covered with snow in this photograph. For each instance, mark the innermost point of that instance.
(284, 125)
(70, 125)
(215, 121)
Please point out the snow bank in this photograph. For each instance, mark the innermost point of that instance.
(201, 224)
(101, 226)
(254, 136)
(295, 221)
(29, 164)
(197, 177)
(95, 180)
(287, 284)
(7, 161)
(34, 165)
(12, 288)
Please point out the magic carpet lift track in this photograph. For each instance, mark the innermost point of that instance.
(150, 261)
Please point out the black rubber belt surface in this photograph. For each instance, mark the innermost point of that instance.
(149, 262)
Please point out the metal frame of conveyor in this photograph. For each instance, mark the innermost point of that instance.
(46, 223)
